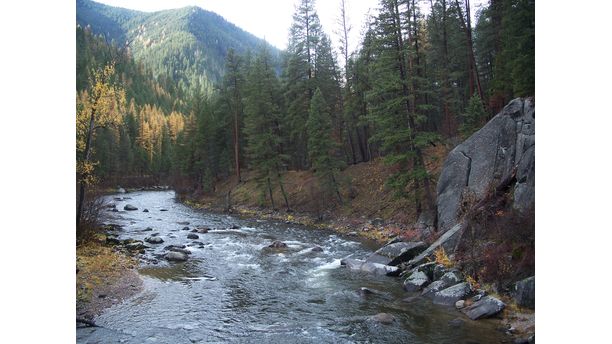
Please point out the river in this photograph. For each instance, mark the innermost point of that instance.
(233, 290)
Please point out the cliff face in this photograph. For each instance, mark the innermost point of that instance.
(502, 150)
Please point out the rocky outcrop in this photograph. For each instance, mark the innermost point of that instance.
(524, 292)
(504, 146)
(396, 253)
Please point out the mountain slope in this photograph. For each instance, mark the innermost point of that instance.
(189, 44)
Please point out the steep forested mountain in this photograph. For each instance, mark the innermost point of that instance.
(188, 44)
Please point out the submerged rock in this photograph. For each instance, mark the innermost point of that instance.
(383, 318)
(192, 236)
(129, 207)
(317, 249)
(488, 306)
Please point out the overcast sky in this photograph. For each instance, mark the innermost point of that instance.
(270, 19)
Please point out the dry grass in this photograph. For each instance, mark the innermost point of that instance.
(442, 258)
(98, 265)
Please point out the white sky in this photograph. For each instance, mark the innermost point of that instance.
(271, 19)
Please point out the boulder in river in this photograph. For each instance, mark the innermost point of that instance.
(203, 230)
(163, 209)
(369, 267)
(277, 245)
(185, 228)
(234, 227)
(129, 207)
(183, 223)
(145, 210)
(524, 292)
(451, 295)
(316, 249)
(488, 306)
(135, 246)
(192, 236)
(174, 256)
(154, 240)
(396, 253)
(416, 281)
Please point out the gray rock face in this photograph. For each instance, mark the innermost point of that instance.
(487, 306)
(416, 281)
(451, 295)
(486, 158)
(129, 207)
(174, 256)
(524, 292)
(396, 253)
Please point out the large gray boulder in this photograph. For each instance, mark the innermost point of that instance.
(396, 253)
(129, 207)
(369, 267)
(416, 281)
(174, 256)
(488, 157)
(451, 295)
(524, 292)
(449, 279)
(486, 307)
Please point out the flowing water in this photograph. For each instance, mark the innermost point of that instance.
(233, 290)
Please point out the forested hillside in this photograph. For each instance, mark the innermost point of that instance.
(416, 81)
(188, 45)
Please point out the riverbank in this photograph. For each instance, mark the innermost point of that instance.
(104, 277)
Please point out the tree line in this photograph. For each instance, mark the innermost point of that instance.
(415, 80)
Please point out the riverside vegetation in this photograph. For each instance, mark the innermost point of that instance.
(422, 139)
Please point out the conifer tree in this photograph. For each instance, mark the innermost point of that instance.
(322, 148)
(262, 117)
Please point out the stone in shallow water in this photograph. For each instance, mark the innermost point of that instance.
(192, 236)
(129, 207)
(416, 281)
(383, 318)
(452, 294)
(176, 256)
(488, 306)
(154, 240)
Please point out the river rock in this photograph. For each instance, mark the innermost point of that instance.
(203, 230)
(488, 157)
(154, 240)
(163, 209)
(460, 304)
(120, 190)
(192, 236)
(115, 210)
(457, 322)
(434, 287)
(488, 306)
(316, 249)
(427, 268)
(369, 267)
(416, 281)
(234, 227)
(185, 228)
(129, 207)
(396, 253)
(175, 256)
(452, 294)
(452, 277)
(277, 245)
(145, 210)
(135, 246)
(183, 223)
(171, 247)
(383, 318)
(524, 292)
(112, 241)
(438, 271)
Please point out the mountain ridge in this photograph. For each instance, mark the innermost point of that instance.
(189, 43)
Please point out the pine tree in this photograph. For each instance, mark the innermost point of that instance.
(262, 117)
(322, 149)
(473, 117)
